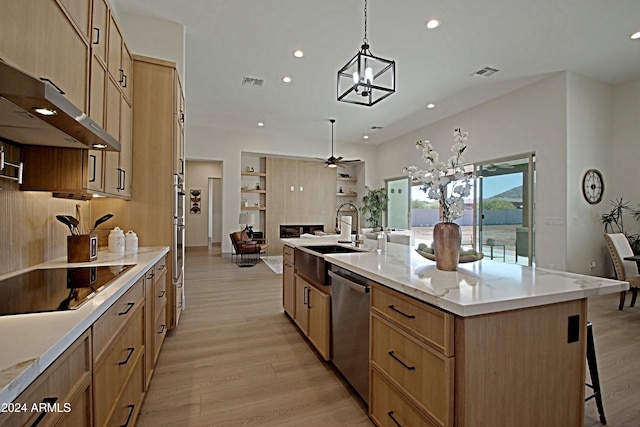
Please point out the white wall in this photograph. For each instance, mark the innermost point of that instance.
(531, 119)
(589, 145)
(623, 180)
(196, 225)
(155, 38)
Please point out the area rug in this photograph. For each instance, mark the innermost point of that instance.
(274, 263)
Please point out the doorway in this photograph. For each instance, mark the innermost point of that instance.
(504, 209)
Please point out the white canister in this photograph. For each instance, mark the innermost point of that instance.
(130, 242)
(116, 241)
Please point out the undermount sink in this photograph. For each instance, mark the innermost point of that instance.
(331, 249)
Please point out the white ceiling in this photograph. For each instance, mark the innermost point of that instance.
(525, 40)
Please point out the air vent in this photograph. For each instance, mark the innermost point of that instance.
(252, 81)
(485, 72)
(375, 127)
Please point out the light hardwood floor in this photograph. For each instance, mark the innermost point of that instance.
(236, 359)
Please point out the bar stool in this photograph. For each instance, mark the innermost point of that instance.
(593, 370)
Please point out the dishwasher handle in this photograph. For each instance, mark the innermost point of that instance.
(364, 289)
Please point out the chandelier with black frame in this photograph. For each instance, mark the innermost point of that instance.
(366, 79)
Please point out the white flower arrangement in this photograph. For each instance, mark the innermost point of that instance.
(438, 174)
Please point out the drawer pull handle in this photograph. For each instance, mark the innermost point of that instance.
(161, 329)
(162, 294)
(131, 409)
(411, 368)
(408, 316)
(160, 268)
(129, 306)
(130, 350)
(44, 413)
(97, 30)
(390, 414)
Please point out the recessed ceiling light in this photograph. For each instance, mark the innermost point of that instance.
(286, 79)
(260, 124)
(432, 23)
(430, 106)
(635, 36)
(365, 137)
(298, 53)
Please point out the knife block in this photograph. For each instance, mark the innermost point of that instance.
(82, 248)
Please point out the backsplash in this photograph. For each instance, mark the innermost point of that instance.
(29, 230)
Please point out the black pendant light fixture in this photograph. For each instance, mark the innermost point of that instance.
(366, 79)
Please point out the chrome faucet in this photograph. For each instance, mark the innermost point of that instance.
(357, 241)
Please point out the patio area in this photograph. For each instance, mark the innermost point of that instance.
(502, 234)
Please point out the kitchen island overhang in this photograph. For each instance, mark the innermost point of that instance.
(476, 288)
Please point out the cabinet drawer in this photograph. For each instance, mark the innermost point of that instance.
(116, 366)
(287, 253)
(57, 385)
(106, 328)
(389, 408)
(80, 414)
(421, 372)
(128, 407)
(159, 331)
(433, 326)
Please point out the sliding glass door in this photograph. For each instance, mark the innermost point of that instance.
(504, 209)
(398, 199)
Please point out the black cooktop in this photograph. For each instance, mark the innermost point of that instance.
(54, 289)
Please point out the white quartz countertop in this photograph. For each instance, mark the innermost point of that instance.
(477, 288)
(31, 342)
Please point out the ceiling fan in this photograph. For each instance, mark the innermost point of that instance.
(492, 167)
(333, 161)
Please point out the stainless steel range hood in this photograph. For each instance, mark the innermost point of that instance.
(21, 95)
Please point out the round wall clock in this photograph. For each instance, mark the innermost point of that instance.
(592, 186)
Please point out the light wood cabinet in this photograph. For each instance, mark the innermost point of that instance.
(312, 315)
(63, 170)
(389, 408)
(39, 38)
(65, 386)
(288, 281)
(119, 166)
(418, 371)
(119, 363)
(151, 213)
(99, 29)
(178, 99)
(469, 371)
(77, 64)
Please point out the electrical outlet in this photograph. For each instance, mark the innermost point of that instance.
(592, 265)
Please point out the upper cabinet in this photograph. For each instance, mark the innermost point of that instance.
(77, 46)
(120, 62)
(44, 39)
(178, 126)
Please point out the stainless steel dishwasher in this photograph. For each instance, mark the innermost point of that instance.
(350, 327)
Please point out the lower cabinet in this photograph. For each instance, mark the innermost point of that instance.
(389, 408)
(100, 380)
(313, 315)
(114, 371)
(61, 395)
(288, 281)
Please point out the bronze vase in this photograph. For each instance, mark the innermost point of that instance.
(446, 245)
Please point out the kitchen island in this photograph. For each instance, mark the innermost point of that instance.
(489, 344)
(31, 343)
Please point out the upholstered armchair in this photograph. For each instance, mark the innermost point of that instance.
(619, 248)
(247, 251)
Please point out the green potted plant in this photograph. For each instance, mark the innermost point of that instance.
(375, 202)
(613, 222)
